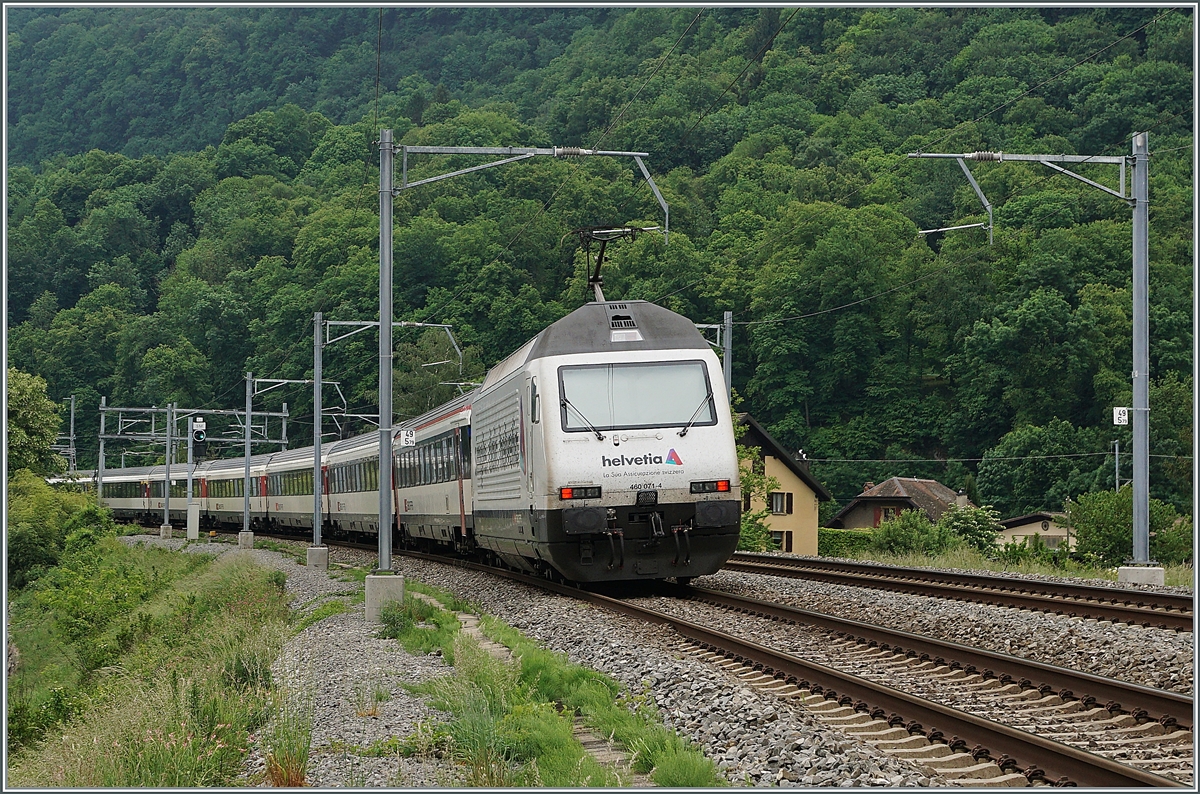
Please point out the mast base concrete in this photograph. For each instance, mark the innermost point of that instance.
(382, 588)
(318, 557)
(1141, 574)
(193, 521)
(246, 539)
(164, 532)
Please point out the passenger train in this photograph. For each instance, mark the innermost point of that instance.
(601, 450)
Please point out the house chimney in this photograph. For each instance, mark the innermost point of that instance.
(868, 485)
(961, 500)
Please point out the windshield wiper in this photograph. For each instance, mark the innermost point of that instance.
(692, 421)
(567, 403)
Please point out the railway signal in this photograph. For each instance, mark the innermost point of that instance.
(199, 435)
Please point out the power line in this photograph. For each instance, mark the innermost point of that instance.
(683, 138)
(546, 204)
(841, 201)
(963, 260)
(976, 460)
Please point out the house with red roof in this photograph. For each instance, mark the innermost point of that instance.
(885, 501)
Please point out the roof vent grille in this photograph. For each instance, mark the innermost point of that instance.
(617, 306)
(622, 321)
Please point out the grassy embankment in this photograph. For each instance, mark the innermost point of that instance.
(142, 667)
(512, 722)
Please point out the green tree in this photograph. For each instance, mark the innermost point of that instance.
(757, 486)
(33, 422)
(1038, 467)
(977, 526)
(1103, 523)
(38, 517)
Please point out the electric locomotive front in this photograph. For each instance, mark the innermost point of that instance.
(604, 450)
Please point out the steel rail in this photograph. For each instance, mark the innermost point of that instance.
(1068, 683)
(1055, 759)
(1164, 610)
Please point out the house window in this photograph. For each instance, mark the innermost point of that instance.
(781, 503)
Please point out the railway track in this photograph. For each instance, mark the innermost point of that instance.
(1126, 722)
(1147, 609)
(983, 718)
(898, 721)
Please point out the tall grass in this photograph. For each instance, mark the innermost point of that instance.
(190, 686)
(970, 558)
(287, 738)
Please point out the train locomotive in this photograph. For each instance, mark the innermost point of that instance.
(601, 450)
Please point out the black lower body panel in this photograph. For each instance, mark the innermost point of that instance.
(657, 542)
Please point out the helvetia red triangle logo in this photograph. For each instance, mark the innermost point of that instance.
(673, 458)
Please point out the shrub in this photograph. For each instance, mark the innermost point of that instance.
(842, 542)
(37, 525)
(87, 527)
(912, 532)
(978, 526)
(1103, 523)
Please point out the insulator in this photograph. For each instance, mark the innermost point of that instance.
(985, 156)
(570, 151)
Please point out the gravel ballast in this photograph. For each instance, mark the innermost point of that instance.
(754, 738)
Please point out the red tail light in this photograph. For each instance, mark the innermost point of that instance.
(578, 492)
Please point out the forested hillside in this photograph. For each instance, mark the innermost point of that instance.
(186, 187)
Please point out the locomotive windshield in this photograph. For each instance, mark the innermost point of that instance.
(630, 396)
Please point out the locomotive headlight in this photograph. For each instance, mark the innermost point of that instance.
(575, 492)
(711, 486)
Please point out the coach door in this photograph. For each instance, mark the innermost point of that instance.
(535, 449)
